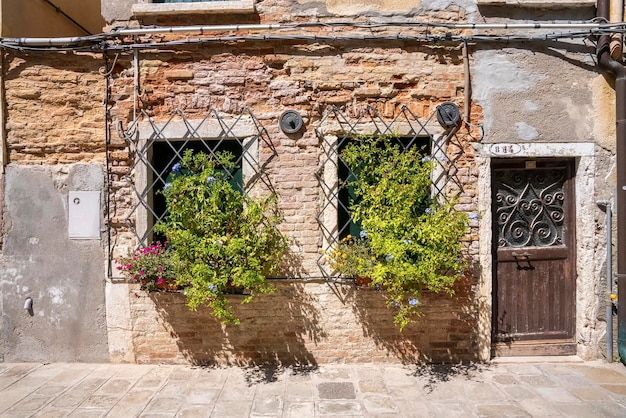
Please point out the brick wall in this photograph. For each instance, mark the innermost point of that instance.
(55, 105)
(54, 108)
(303, 323)
(306, 322)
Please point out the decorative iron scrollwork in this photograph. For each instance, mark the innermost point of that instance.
(530, 207)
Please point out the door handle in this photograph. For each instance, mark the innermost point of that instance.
(524, 258)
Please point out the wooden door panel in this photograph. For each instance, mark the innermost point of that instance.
(535, 300)
(534, 269)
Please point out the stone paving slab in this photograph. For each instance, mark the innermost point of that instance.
(524, 389)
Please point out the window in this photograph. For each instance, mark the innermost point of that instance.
(335, 131)
(346, 196)
(158, 146)
(160, 7)
(166, 154)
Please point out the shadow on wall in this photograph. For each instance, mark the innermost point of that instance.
(274, 330)
(445, 333)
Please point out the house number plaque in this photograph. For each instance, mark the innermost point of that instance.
(505, 149)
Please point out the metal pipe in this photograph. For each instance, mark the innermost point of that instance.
(609, 278)
(467, 91)
(265, 27)
(615, 68)
(136, 82)
(616, 8)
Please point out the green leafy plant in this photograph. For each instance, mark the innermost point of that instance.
(151, 266)
(220, 238)
(413, 241)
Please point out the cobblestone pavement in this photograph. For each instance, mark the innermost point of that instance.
(562, 389)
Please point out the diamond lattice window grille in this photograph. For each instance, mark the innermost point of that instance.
(336, 129)
(158, 145)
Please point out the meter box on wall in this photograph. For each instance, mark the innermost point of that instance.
(84, 215)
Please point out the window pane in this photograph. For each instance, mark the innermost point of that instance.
(346, 226)
(166, 154)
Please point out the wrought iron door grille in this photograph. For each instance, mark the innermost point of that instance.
(336, 129)
(156, 146)
(530, 207)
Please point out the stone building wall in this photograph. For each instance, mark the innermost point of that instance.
(321, 322)
(54, 146)
(56, 142)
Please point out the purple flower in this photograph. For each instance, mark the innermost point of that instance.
(473, 216)
(428, 210)
(210, 180)
(413, 302)
(212, 288)
(176, 168)
(363, 234)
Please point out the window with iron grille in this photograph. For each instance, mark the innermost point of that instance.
(337, 129)
(346, 196)
(166, 154)
(158, 146)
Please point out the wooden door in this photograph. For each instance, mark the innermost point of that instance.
(534, 310)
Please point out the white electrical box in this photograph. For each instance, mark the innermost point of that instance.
(84, 215)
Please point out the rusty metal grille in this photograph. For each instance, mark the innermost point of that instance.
(336, 128)
(156, 146)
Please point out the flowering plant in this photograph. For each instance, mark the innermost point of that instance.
(151, 266)
(412, 240)
(220, 237)
(352, 257)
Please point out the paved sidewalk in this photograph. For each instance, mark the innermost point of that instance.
(570, 389)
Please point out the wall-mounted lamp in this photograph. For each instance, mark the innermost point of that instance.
(448, 115)
(290, 122)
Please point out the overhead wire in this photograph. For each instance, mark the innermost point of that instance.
(114, 39)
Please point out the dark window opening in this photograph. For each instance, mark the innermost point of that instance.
(346, 196)
(166, 154)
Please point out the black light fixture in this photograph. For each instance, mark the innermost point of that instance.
(290, 122)
(448, 115)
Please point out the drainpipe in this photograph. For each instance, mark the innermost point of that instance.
(617, 15)
(615, 68)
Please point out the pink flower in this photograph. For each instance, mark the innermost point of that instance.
(142, 272)
(160, 280)
(160, 268)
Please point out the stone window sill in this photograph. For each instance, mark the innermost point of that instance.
(212, 7)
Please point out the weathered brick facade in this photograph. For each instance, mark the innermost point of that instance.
(303, 323)
(56, 116)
